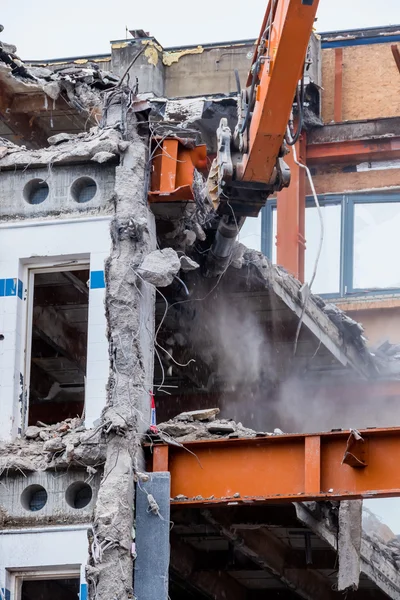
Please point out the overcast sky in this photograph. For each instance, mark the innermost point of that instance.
(50, 29)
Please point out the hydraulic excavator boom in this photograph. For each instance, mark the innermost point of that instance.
(249, 165)
(265, 106)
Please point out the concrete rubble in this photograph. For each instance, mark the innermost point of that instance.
(96, 145)
(81, 85)
(49, 447)
(349, 544)
(203, 425)
(160, 267)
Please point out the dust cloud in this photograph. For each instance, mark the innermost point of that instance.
(261, 384)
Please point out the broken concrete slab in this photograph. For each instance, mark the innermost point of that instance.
(176, 429)
(54, 445)
(202, 425)
(206, 414)
(188, 264)
(221, 428)
(72, 148)
(102, 157)
(32, 432)
(60, 137)
(349, 544)
(160, 267)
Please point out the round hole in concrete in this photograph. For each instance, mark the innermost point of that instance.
(34, 497)
(36, 191)
(83, 189)
(78, 494)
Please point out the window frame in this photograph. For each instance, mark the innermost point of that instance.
(16, 577)
(348, 202)
(32, 270)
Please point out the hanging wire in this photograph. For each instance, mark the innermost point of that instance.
(307, 287)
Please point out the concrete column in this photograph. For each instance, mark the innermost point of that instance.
(152, 537)
(130, 307)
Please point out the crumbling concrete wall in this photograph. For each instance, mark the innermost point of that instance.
(349, 544)
(130, 310)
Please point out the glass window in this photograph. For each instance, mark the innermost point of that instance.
(250, 234)
(327, 280)
(376, 245)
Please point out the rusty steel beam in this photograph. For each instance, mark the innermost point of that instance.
(173, 167)
(338, 99)
(396, 55)
(337, 465)
(291, 208)
(353, 151)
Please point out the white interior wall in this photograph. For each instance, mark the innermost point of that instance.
(46, 243)
(35, 550)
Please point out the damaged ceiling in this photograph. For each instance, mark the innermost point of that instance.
(40, 101)
(256, 552)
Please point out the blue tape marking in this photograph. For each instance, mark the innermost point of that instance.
(83, 594)
(11, 287)
(382, 39)
(97, 280)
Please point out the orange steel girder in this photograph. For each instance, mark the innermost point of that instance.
(173, 167)
(292, 25)
(290, 213)
(337, 465)
(353, 151)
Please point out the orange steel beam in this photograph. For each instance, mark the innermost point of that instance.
(169, 162)
(338, 99)
(396, 55)
(337, 465)
(173, 166)
(353, 151)
(291, 205)
(282, 63)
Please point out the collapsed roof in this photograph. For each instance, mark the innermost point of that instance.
(37, 101)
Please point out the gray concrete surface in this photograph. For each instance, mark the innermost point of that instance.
(152, 537)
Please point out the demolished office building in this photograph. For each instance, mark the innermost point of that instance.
(105, 302)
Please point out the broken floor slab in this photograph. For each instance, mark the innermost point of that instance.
(378, 561)
(37, 100)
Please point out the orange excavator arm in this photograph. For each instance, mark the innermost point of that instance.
(249, 165)
(277, 67)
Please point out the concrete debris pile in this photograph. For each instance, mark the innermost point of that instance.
(160, 267)
(381, 537)
(47, 447)
(197, 118)
(387, 356)
(78, 84)
(98, 145)
(278, 279)
(203, 425)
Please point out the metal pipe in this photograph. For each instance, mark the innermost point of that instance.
(17, 225)
(221, 251)
(53, 529)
